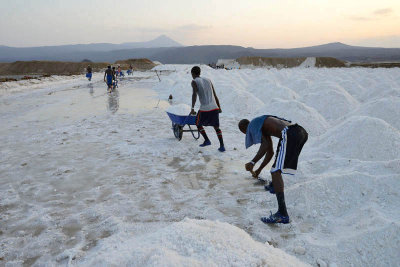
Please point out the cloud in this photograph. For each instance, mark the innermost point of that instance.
(360, 18)
(383, 12)
(377, 14)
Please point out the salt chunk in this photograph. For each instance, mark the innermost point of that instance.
(300, 250)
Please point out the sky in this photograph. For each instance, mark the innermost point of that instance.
(248, 23)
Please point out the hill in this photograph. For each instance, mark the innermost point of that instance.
(47, 67)
(137, 63)
(194, 54)
(78, 52)
(66, 68)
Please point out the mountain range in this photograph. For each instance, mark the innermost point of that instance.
(168, 51)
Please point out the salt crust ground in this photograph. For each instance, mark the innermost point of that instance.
(84, 190)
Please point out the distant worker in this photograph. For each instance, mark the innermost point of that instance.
(114, 73)
(110, 78)
(89, 72)
(292, 138)
(208, 114)
(130, 70)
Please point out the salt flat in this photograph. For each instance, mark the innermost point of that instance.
(91, 178)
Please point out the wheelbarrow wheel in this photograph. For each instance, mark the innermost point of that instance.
(177, 131)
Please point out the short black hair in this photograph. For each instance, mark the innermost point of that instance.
(109, 67)
(243, 125)
(196, 70)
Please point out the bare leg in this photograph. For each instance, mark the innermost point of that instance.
(277, 182)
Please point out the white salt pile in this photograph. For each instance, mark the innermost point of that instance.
(340, 101)
(363, 138)
(386, 109)
(189, 243)
(297, 112)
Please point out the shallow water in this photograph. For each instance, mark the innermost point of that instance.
(78, 102)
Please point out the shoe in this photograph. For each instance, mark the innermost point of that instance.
(221, 149)
(206, 143)
(275, 218)
(269, 188)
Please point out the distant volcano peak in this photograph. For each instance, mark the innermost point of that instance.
(160, 41)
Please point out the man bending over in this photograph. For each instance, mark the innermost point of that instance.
(292, 138)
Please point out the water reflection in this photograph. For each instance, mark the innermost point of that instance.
(91, 91)
(113, 101)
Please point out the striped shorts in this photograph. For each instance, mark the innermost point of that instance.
(289, 147)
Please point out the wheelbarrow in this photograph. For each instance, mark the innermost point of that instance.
(179, 122)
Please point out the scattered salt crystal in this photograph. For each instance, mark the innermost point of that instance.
(300, 250)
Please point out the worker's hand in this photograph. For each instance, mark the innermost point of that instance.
(220, 110)
(249, 166)
(192, 112)
(256, 173)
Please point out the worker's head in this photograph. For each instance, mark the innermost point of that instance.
(108, 67)
(195, 71)
(113, 68)
(243, 125)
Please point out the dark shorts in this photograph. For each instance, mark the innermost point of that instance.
(208, 118)
(109, 80)
(289, 147)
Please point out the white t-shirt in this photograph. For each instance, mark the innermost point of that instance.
(206, 94)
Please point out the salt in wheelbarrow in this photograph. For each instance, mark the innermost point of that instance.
(179, 122)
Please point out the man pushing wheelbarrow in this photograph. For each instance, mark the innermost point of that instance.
(208, 114)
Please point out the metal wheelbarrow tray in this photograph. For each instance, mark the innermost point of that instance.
(179, 122)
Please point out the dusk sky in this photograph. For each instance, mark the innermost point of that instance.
(255, 23)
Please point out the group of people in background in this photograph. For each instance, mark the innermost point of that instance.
(110, 75)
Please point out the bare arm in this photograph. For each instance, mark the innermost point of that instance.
(216, 97)
(194, 95)
(267, 150)
(104, 76)
(262, 150)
